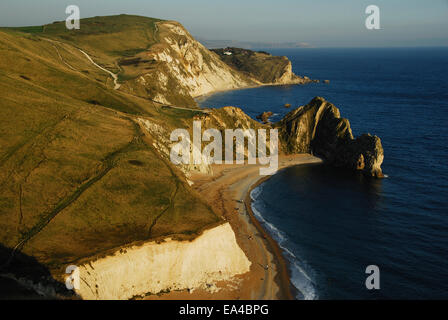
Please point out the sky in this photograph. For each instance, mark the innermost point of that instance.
(321, 23)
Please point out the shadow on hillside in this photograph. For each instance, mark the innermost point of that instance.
(22, 266)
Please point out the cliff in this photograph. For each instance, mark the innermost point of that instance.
(79, 174)
(318, 128)
(167, 266)
(178, 68)
(159, 60)
(262, 66)
(220, 119)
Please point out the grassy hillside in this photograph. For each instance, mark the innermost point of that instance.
(78, 176)
(106, 38)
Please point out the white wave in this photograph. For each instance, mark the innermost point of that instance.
(277, 234)
(299, 277)
(289, 252)
(256, 192)
(302, 282)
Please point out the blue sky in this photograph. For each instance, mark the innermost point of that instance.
(322, 23)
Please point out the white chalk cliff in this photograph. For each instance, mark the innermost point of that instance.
(171, 265)
(183, 69)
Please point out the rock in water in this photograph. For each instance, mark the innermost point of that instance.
(265, 116)
(364, 153)
(318, 128)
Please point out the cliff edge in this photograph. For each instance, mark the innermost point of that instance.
(177, 68)
(264, 67)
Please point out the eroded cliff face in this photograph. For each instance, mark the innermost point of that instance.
(179, 69)
(286, 76)
(220, 119)
(230, 118)
(170, 265)
(161, 141)
(261, 65)
(318, 128)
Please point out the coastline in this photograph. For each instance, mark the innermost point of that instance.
(283, 277)
(228, 190)
(205, 96)
(288, 291)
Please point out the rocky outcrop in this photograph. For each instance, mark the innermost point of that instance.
(260, 65)
(264, 117)
(364, 153)
(318, 128)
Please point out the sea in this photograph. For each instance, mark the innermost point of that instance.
(333, 225)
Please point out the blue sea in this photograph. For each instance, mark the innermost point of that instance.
(332, 225)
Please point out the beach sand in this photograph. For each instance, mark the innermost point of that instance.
(228, 193)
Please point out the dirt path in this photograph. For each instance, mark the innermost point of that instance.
(62, 59)
(114, 76)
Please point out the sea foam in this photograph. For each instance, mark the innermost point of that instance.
(300, 278)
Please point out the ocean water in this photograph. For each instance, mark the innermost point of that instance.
(332, 224)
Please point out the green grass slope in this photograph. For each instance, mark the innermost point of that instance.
(78, 177)
(107, 38)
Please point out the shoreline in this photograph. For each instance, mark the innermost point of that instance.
(205, 96)
(228, 190)
(283, 277)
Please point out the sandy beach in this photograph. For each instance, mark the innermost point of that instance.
(228, 193)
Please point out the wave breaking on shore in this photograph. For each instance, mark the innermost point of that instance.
(301, 273)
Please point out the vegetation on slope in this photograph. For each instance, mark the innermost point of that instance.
(258, 64)
(77, 175)
(106, 38)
